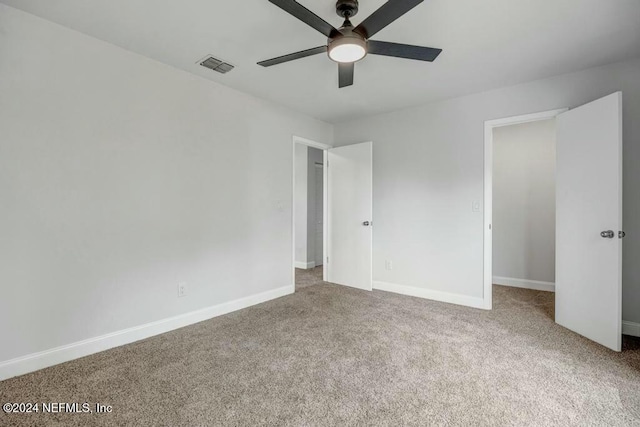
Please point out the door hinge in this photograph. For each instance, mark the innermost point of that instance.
(327, 260)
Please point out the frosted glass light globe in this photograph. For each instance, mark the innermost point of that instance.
(347, 49)
(347, 53)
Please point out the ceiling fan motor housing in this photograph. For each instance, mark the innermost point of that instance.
(347, 8)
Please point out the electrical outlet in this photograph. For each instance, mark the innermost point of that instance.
(182, 289)
(388, 265)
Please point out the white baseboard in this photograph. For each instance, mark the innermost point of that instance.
(305, 265)
(630, 328)
(524, 283)
(65, 353)
(430, 294)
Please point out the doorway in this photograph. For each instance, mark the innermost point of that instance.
(516, 133)
(519, 203)
(524, 214)
(308, 213)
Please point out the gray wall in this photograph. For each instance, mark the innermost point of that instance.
(120, 177)
(314, 156)
(300, 155)
(305, 203)
(524, 201)
(428, 169)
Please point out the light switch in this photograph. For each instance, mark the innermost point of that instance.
(475, 206)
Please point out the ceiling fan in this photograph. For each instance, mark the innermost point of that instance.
(349, 44)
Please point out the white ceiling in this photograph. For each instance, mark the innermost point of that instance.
(487, 44)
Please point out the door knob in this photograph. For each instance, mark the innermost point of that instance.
(621, 234)
(608, 234)
(366, 224)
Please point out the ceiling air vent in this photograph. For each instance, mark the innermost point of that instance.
(216, 65)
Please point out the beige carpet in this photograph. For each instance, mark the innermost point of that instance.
(310, 277)
(330, 355)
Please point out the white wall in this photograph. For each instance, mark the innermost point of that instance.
(428, 169)
(524, 201)
(300, 200)
(314, 156)
(120, 177)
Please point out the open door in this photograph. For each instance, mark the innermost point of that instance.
(589, 220)
(349, 219)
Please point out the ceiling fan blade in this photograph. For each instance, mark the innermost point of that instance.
(292, 56)
(305, 15)
(345, 74)
(403, 50)
(385, 15)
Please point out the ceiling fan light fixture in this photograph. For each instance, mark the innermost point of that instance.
(349, 44)
(347, 49)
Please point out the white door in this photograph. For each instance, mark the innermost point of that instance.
(349, 215)
(319, 208)
(589, 219)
